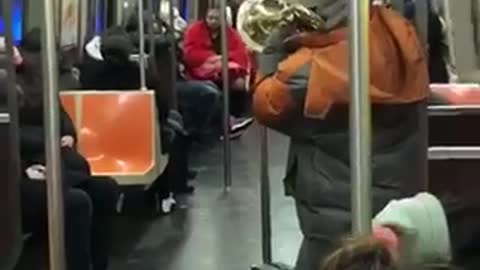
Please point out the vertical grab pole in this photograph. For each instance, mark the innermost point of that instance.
(265, 198)
(80, 28)
(227, 158)
(173, 52)
(360, 119)
(118, 12)
(141, 37)
(51, 107)
(151, 34)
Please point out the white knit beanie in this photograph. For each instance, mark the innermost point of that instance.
(423, 228)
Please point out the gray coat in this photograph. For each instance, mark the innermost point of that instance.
(318, 171)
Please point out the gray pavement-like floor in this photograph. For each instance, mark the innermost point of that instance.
(212, 230)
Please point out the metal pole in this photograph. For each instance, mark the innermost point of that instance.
(119, 12)
(52, 144)
(58, 20)
(360, 119)
(265, 198)
(226, 99)
(173, 52)
(105, 11)
(141, 37)
(151, 34)
(97, 13)
(80, 29)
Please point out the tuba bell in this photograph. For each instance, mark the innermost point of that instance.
(258, 18)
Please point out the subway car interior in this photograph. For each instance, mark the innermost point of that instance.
(239, 134)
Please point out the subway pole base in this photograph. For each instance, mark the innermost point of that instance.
(273, 266)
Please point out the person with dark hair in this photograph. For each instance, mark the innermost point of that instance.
(32, 44)
(90, 202)
(203, 61)
(106, 59)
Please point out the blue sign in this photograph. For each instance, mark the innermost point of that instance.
(17, 23)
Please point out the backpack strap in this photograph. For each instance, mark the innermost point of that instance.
(421, 16)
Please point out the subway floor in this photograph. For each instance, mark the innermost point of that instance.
(211, 230)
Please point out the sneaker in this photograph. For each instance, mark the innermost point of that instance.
(240, 124)
(234, 135)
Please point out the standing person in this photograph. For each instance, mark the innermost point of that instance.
(438, 49)
(303, 92)
(202, 55)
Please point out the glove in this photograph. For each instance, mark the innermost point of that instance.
(175, 122)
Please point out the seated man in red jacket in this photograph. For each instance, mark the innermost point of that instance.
(203, 60)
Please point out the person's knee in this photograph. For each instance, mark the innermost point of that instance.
(211, 93)
(239, 84)
(78, 204)
(104, 193)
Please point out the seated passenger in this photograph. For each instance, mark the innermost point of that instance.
(107, 66)
(198, 101)
(106, 60)
(202, 54)
(32, 44)
(89, 202)
(418, 231)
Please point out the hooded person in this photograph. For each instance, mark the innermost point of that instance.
(106, 59)
(302, 90)
(31, 46)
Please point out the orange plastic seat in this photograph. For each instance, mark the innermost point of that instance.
(117, 132)
(458, 94)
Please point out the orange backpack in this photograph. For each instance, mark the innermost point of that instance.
(398, 71)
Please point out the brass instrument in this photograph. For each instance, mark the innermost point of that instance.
(257, 19)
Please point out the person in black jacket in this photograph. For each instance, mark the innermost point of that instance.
(437, 65)
(89, 203)
(106, 59)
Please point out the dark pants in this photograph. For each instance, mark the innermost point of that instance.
(239, 101)
(174, 177)
(89, 210)
(198, 102)
(464, 226)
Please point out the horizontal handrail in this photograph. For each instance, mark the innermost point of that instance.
(453, 109)
(455, 152)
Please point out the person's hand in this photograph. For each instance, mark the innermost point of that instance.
(214, 59)
(388, 237)
(240, 84)
(233, 65)
(67, 141)
(36, 172)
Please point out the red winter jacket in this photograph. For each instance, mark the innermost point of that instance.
(198, 48)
